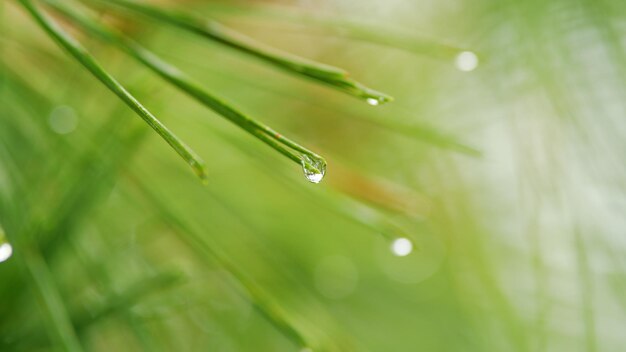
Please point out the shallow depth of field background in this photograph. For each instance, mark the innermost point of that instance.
(517, 248)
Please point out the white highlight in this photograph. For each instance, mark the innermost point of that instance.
(5, 252)
(466, 61)
(316, 173)
(401, 247)
(314, 177)
(373, 101)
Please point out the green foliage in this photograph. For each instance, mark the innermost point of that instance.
(81, 55)
(478, 211)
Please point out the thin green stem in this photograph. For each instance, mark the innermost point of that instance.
(329, 75)
(338, 27)
(586, 291)
(205, 251)
(173, 75)
(57, 317)
(116, 303)
(82, 55)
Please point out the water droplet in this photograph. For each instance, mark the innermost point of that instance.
(373, 101)
(314, 168)
(466, 61)
(401, 247)
(5, 252)
(410, 268)
(63, 120)
(306, 349)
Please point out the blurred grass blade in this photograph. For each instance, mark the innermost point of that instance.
(122, 302)
(338, 27)
(205, 251)
(294, 151)
(81, 55)
(424, 133)
(586, 291)
(332, 76)
(393, 39)
(329, 198)
(52, 229)
(96, 269)
(114, 304)
(57, 318)
(86, 195)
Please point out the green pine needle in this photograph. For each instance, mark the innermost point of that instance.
(82, 55)
(329, 75)
(302, 156)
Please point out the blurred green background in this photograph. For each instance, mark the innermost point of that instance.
(506, 173)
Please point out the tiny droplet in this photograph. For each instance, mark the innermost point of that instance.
(466, 61)
(314, 168)
(5, 252)
(373, 101)
(401, 247)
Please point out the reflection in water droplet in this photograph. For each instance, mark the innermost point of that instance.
(466, 61)
(5, 252)
(63, 120)
(373, 101)
(401, 247)
(314, 168)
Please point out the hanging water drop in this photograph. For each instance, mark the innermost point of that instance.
(314, 168)
(401, 247)
(5, 252)
(466, 61)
